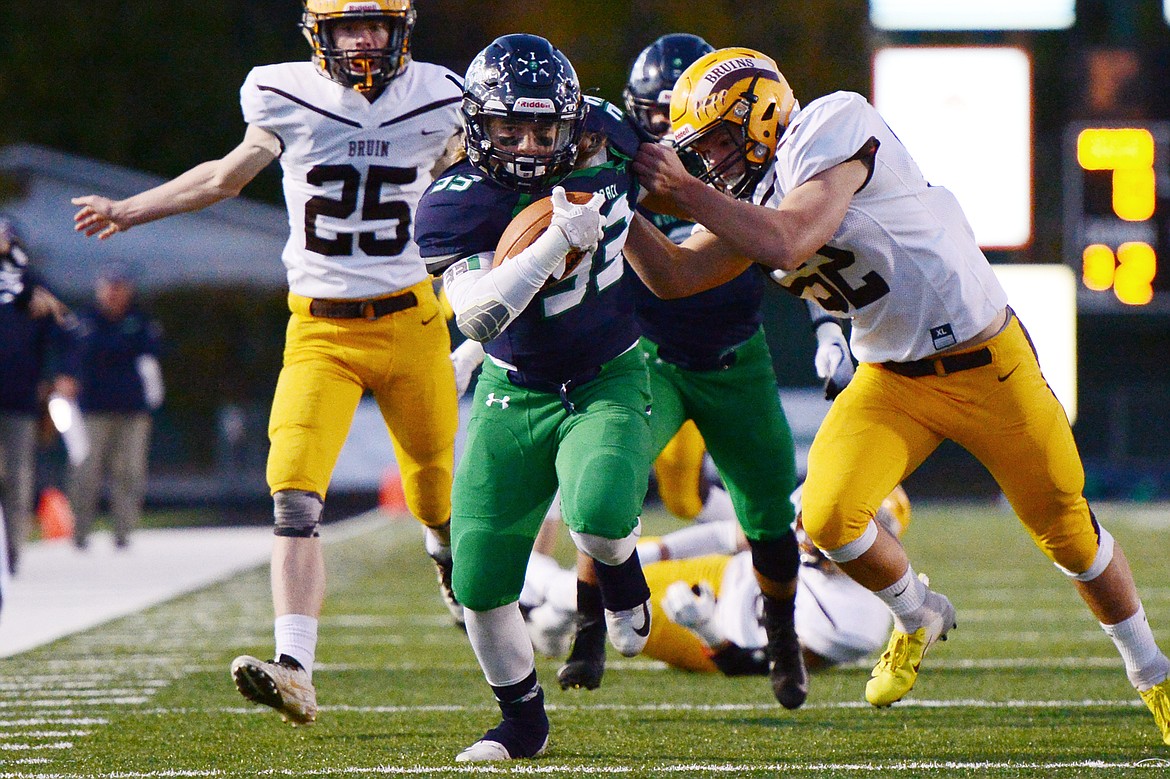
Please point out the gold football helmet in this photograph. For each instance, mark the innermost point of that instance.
(727, 112)
(363, 69)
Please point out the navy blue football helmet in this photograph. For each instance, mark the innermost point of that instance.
(522, 113)
(652, 77)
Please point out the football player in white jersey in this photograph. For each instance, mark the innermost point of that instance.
(707, 603)
(358, 131)
(830, 199)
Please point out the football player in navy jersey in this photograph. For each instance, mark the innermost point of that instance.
(358, 130)
(564, 397)
(709, 363)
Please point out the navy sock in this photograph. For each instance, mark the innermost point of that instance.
(622, 586)
(524, 729)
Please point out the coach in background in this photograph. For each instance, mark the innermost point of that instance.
(33, 331)
(829, 199)
(112, 370)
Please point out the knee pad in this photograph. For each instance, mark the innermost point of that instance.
(1100, 562)
(855, 548)
(297, 513)
(611, 551)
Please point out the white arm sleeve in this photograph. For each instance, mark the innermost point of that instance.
(698, 540)
(486, 300)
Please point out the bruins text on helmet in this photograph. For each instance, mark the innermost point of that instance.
(366, 70)
(652, 77)
(522, 85)
(730, 100)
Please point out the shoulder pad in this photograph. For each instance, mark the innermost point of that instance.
(605, 117)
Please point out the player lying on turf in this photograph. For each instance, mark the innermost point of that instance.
(706, 602)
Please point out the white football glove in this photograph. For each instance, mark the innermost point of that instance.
(465, 359)
(833, 362)
(694, 611)
(580, 224)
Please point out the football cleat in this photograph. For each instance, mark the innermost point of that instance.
(786, 669)
(486, 750)
(586, 662)
(1157, 698)
(897, 669)
(629, 629)
(280, 684)
(522, 733)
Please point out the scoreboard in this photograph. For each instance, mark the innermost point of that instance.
(1117, 214)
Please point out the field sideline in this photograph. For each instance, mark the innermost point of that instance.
(1028, 686)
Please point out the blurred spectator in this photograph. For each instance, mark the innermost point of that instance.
(114, 373)
(32, 321)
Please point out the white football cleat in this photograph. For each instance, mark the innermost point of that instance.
(629, 629)
(482, 752)
(283, 685)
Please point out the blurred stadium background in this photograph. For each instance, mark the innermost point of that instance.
(1052, 119)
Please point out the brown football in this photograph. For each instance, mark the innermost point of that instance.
(529, 224)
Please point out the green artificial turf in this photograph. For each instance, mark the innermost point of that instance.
(1028, 685)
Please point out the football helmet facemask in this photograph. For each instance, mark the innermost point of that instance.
(727, 111)
(652, 77)
(522, 113)
(365, 70)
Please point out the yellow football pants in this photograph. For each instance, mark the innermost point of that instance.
(669, 642)
(679, 470)
(885, 425)
(403, 359)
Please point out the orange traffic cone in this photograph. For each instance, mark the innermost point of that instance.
(391, 497)
(55, 515)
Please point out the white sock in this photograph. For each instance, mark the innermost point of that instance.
(436, 548)
(296, 636)
(1145, 665)
(717, 507)
(904, 599)
(501, 643)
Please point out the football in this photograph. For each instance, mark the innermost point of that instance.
(529, 224)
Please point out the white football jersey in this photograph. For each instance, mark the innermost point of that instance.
(904, 264)
(353, 172)
(836, 617)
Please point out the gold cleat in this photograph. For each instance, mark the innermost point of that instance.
(1158, 699)
(897, 669)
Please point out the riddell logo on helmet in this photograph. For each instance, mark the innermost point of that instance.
(535, 104)
(351, 7)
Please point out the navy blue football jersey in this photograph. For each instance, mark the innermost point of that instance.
(581, 321)
(699, 328)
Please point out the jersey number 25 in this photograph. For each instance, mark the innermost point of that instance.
(372, 209)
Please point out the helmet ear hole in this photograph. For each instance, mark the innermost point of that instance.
(769, 112)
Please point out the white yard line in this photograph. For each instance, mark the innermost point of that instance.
(61, 591)
(538, 768)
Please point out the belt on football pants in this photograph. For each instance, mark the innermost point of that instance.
(941, 366)
(362, 309)
(562, 388)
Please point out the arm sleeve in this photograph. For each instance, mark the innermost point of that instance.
(486, 300)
